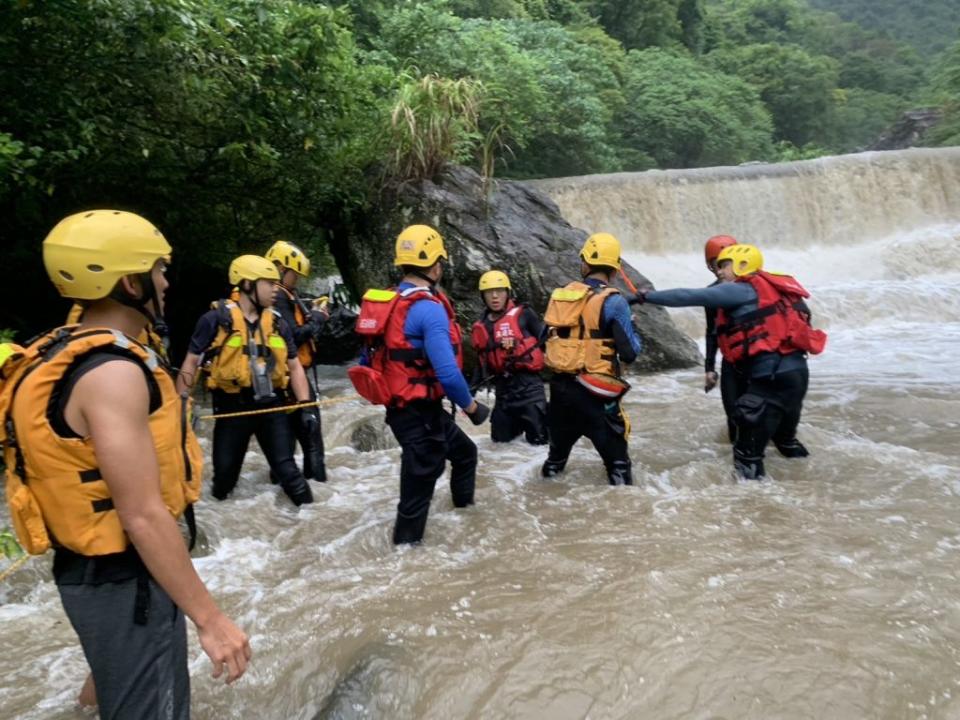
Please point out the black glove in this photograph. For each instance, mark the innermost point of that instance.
(639, 299)
(479, 416)
(309, 420)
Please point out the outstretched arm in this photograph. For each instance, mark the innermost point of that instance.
(724, 295)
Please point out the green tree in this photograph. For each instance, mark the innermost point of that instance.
(685, 115)
(944, 91)
(858, 117)
(226, 123)
(552, 92)
(796, 86)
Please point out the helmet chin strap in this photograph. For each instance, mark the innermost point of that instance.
(140, 304)
(252, 295)
(424, 276)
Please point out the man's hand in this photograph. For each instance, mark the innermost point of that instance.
(710, 381)
(477, 412)
(309, 420)
(226, 645)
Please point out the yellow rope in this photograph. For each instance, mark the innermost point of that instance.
(14, 567)
(282, 408)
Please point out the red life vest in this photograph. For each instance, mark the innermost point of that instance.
(488, 336)
(398, 373)
(781, 322)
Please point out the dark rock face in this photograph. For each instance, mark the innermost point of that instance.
(518, 230)
(909, 130)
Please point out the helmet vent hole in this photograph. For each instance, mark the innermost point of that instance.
(66, 276)
(95, 268)
(89, 214)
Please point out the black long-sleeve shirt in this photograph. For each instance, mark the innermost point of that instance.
(301, 333)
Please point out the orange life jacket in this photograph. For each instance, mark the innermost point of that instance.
(228, 357)
(575, 341)
(53, 485)
(780, 324)
(398, 373)
(488, 336)
(307, 350)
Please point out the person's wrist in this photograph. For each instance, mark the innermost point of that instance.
(472, 408)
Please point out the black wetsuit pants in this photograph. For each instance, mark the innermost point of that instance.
(521, 407)
(231, 438)
(768, 410)
(314, 466)
(428, 437)
(575, 412)
(733, 384)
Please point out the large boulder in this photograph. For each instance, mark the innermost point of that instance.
(909, 130)
(508, 226)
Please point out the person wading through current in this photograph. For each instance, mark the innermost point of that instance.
(413, 358)
(101, 462)
(251, 359)
(733, 383)
(590, 335)
(764, 331)
(305, 323)
(507, 340)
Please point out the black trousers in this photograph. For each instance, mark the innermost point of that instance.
(521, 407)
(733, 384)
(311, 444)
(769, 410)
(428, 437)
(575, 412)
(231, 438)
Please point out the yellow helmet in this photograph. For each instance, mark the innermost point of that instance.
(419, 246)
(290, 257)
(746, 259)
(87, 253)
(493, 280)
(602, 250)
(252, 267)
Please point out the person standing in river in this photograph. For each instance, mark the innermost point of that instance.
(101, 462)
(589, 336)
(732, 382)
(251, 361)
(413, 358)
(305, 323)
(763, 330)
(507, 340)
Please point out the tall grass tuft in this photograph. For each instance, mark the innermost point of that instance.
(434, 122)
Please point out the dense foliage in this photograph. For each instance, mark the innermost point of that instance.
(232, 122)
(929, 25)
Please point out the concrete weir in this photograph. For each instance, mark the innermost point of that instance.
(828, 201)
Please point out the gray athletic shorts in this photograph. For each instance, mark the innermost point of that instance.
(140, 671)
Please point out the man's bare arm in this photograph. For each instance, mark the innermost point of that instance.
(112, 402)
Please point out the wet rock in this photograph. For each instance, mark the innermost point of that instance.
(509, 226)
(371, 434)
(909, 130)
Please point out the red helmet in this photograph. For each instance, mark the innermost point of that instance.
(715, 245)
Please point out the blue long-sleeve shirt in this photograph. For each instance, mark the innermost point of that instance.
(738, 298)
(428, 327)
(615, 321)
